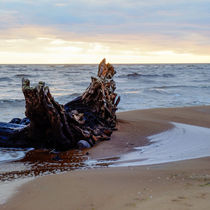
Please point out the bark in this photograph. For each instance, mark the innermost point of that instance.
(89, 118)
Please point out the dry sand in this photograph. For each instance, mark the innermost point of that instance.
(178, 185)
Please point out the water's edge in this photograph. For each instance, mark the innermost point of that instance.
(182, 142)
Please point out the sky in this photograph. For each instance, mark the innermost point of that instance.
(86, 31)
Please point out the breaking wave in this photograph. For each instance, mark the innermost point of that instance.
(135, 75)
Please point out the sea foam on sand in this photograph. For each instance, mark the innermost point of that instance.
(179, 143)
(9, 188)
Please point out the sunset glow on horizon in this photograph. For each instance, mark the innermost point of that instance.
(61, 32)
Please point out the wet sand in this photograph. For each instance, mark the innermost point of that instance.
(135, 126)
(177, 185)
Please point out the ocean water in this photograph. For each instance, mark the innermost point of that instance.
(140, 86)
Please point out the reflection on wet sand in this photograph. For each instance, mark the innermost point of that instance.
(43, 162)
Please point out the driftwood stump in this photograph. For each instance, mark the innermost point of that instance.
(88, 118)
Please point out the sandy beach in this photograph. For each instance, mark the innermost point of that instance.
(104, 105)
(176, 185)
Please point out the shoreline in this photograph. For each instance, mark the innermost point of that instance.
(133, 129)
(177, 185)
(135, 126)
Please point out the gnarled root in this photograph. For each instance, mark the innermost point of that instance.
(90, 117)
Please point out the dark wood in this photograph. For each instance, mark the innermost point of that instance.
(90, 117)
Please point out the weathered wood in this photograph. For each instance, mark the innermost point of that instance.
(90, 117)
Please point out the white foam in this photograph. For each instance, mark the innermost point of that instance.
(9, 188)
(11, 154)
(180, 143)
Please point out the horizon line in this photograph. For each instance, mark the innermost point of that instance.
(94, 63)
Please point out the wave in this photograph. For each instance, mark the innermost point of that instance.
(157, 90)
(5, 79)
(181, 86)
(74, 94)
(70, 73)
(23, 75)
(20, 102)
(168, 75)
(67, 98)
(135, 75)
(171, 86)
(12, 101)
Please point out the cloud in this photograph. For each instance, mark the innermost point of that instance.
(128, 14)
(180, 26)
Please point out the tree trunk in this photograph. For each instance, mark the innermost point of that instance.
(88, 118)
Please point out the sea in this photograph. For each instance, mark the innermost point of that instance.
(140, 86)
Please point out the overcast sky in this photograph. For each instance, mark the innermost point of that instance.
(123, 31)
